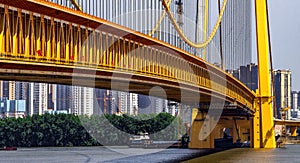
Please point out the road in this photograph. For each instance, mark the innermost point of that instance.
(287, 154)
(98, 154)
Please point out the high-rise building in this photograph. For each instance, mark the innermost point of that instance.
(282, 83)
(82, 100)
(63, 97)
(12, 108)
(12, 90)
(22, 93)
(5, 87)
(150, 104)
(21, 90)
(2, 94)
(295, 104)
(128, 103)
(249, 76)
(133, 106)
(114, 101)
(123, 101)
(38, 98)
(173, 108)
(236, 34)
(52, 102)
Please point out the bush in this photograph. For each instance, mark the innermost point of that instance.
(72, 130)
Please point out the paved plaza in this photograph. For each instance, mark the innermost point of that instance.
(97, 154)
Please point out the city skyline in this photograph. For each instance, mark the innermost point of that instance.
(40, 98)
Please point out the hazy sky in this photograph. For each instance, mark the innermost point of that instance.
(285, 36)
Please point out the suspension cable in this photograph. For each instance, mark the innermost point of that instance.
(221, 46)
(271, 63)
(74, 2)
(182, 35)
(158, 23)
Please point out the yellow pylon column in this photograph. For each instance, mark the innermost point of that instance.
(267, 136)
(255, 130)
(198, 120)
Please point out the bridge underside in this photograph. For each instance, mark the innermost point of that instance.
(209, 132)
(134, 82)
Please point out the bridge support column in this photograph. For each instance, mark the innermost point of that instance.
(255, 131)
(235, 130)
(293, 131)
(242, 130)
(199, 129)
(264, 109)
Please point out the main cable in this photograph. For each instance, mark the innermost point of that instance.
(271, 62)
(160, 20)
(182, 35)
(74, 2)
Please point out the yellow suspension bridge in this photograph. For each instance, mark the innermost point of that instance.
(42, 41)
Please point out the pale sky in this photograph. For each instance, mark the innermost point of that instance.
(285, 37)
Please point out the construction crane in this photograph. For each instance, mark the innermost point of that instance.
(179, 3)
(105, 99)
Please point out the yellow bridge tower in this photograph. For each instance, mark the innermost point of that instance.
(261, 127)
(263, 123)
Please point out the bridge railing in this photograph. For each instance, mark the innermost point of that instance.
(141, 16)
(38, 38)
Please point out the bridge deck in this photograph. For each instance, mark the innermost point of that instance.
(59, 39)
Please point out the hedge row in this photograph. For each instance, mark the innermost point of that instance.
(72, 130)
